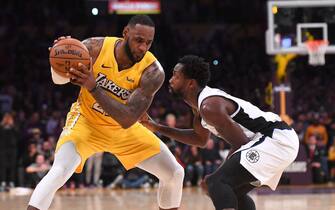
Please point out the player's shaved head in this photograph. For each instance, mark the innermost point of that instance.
(142, 20)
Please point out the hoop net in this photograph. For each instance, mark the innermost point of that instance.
(316, 51)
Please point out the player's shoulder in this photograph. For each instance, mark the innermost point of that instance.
(215, 104)
(94, 45)
(93, 41)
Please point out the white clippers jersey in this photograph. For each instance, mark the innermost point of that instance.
(250, 118)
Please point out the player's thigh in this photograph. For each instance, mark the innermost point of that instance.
(163, 165)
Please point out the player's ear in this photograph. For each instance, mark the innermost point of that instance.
(193, 83)
(125, 32)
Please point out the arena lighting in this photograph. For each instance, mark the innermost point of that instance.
(134, 7)
(274, 9)
(95, 11)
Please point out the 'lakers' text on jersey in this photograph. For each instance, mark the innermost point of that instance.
(118, 84)
(111, 87)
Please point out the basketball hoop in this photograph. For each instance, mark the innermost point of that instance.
(316, 51)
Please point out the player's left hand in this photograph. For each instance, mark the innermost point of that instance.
(148, 122)
(83, 76)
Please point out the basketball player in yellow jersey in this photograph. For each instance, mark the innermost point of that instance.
(114, 94)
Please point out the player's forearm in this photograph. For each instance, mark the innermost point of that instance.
(186, 136)
(118, 111)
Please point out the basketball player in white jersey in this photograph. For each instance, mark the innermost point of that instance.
(262, 144)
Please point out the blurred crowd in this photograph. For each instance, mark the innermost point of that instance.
(33, 109)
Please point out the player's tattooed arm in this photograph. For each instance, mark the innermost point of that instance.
(138, 102)
(94, 46)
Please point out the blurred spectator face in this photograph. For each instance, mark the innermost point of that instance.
(171, 120)
(302, 117)
(40, 159)
(194, 150)
(46, 146)
(332, 126)
(32, 148)
(221, 145)
(177, 151)
(312, 140)
(36, 133)
(35, 117)
(51, 140)
(7, 120)
(138, 40)
(210, 144)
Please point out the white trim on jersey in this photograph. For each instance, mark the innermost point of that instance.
(273, 144)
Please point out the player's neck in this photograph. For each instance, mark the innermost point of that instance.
(121, 56)
(191, 98)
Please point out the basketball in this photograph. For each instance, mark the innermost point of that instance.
(67, 53)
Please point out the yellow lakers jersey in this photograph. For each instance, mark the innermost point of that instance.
(118, 84)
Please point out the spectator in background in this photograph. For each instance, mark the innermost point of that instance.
(36, 137)
(331, 161)
(314, 154)
(37, 170)
(224, 149)
(211, 157)
(300, 130)
(27, 159)
(194, 170)
(52, 123)
(170, 120)
(93, 167)
(331, 133)
(48, 151)
(8, 152)
(178, 153)
(318, 130)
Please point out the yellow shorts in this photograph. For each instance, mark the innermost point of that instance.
(131, 146)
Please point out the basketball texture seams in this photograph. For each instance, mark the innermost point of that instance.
(67, 53)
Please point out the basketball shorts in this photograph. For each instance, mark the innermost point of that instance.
(266, 158)
(131, 146)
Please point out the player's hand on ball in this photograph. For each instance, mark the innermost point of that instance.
(149, 123)
(58, 39)
(83, 76)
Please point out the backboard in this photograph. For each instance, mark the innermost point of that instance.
(291, 23)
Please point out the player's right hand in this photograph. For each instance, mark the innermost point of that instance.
(149, 123)
(58, 39)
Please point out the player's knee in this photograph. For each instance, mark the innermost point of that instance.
(178, 174)
(245, 202)
(175, 175)
(59, 172)
(171, 189)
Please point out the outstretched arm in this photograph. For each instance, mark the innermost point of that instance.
(197, 136)
(138, 102)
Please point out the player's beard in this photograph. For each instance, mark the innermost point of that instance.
(128, 52)
(176, 94)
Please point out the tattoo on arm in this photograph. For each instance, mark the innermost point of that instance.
(138, 102)
(94, 46)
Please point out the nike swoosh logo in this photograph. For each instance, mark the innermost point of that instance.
(130, 80)
(107, 67)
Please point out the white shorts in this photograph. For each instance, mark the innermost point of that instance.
(266, 158)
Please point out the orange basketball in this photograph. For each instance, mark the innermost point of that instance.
(67, 53)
